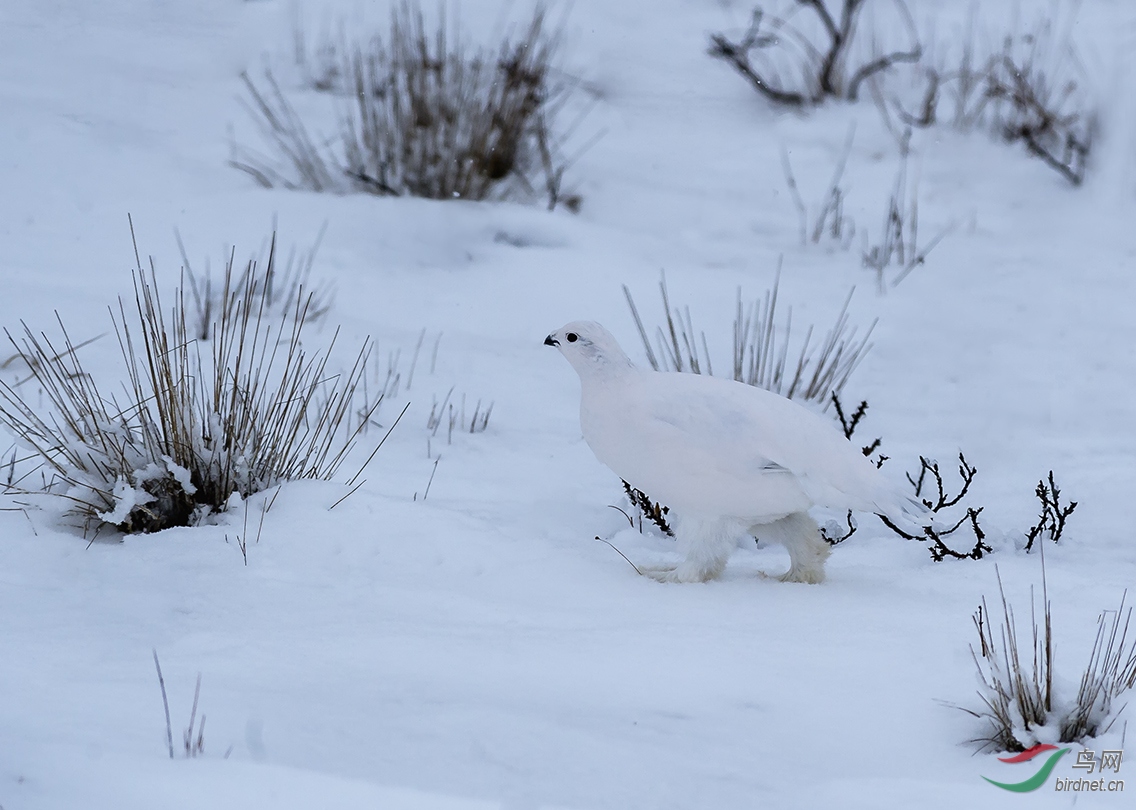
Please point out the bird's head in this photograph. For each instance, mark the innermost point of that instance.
(590, 348)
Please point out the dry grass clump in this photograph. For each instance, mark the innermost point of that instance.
(761, 345)
(426, 115)
(1020, 703)
(201, 421)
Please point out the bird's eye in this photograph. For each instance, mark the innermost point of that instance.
(572, 337)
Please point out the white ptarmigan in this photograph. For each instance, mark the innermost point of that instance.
(728, 458)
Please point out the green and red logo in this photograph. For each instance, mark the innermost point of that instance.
(1038, 779)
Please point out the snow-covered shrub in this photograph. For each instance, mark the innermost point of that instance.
(281, 286)
(425, 115)
(250, 408)
(1021, 705)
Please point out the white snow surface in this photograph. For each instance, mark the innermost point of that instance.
(477, 648)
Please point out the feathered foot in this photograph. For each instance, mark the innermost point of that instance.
(801, 537)
(683, 572)
(707, 543)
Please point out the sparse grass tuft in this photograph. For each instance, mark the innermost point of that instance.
(283, 289)
(201, 422)
(897, 244)
(193, 737)
(829, 221)
(457, 417)
(1018, 699)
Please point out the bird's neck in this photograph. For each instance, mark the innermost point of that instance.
(605, 371)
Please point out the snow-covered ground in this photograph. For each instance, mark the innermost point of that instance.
(478, 648)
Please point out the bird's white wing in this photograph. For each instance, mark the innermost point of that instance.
(748, 431)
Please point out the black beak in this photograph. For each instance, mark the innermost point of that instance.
(548, 341)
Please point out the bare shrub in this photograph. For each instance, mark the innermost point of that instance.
(654, 512)
(1051, 522)
(1025, 84)
(425, 115)
(761, 347)
(932, 491)
(255, 408)
(789, 66)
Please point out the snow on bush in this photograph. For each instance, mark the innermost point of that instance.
(204, 421)
(1022, 706)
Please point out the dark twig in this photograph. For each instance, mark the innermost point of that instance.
(737, 54)
(834, 539)
(848, 425)
(1053, 515)
(621, 554)
(825, 65)
(654, 512)
(940, 500)
(911, 55)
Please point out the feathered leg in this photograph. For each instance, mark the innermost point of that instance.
(801, 537)
(707, 544)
